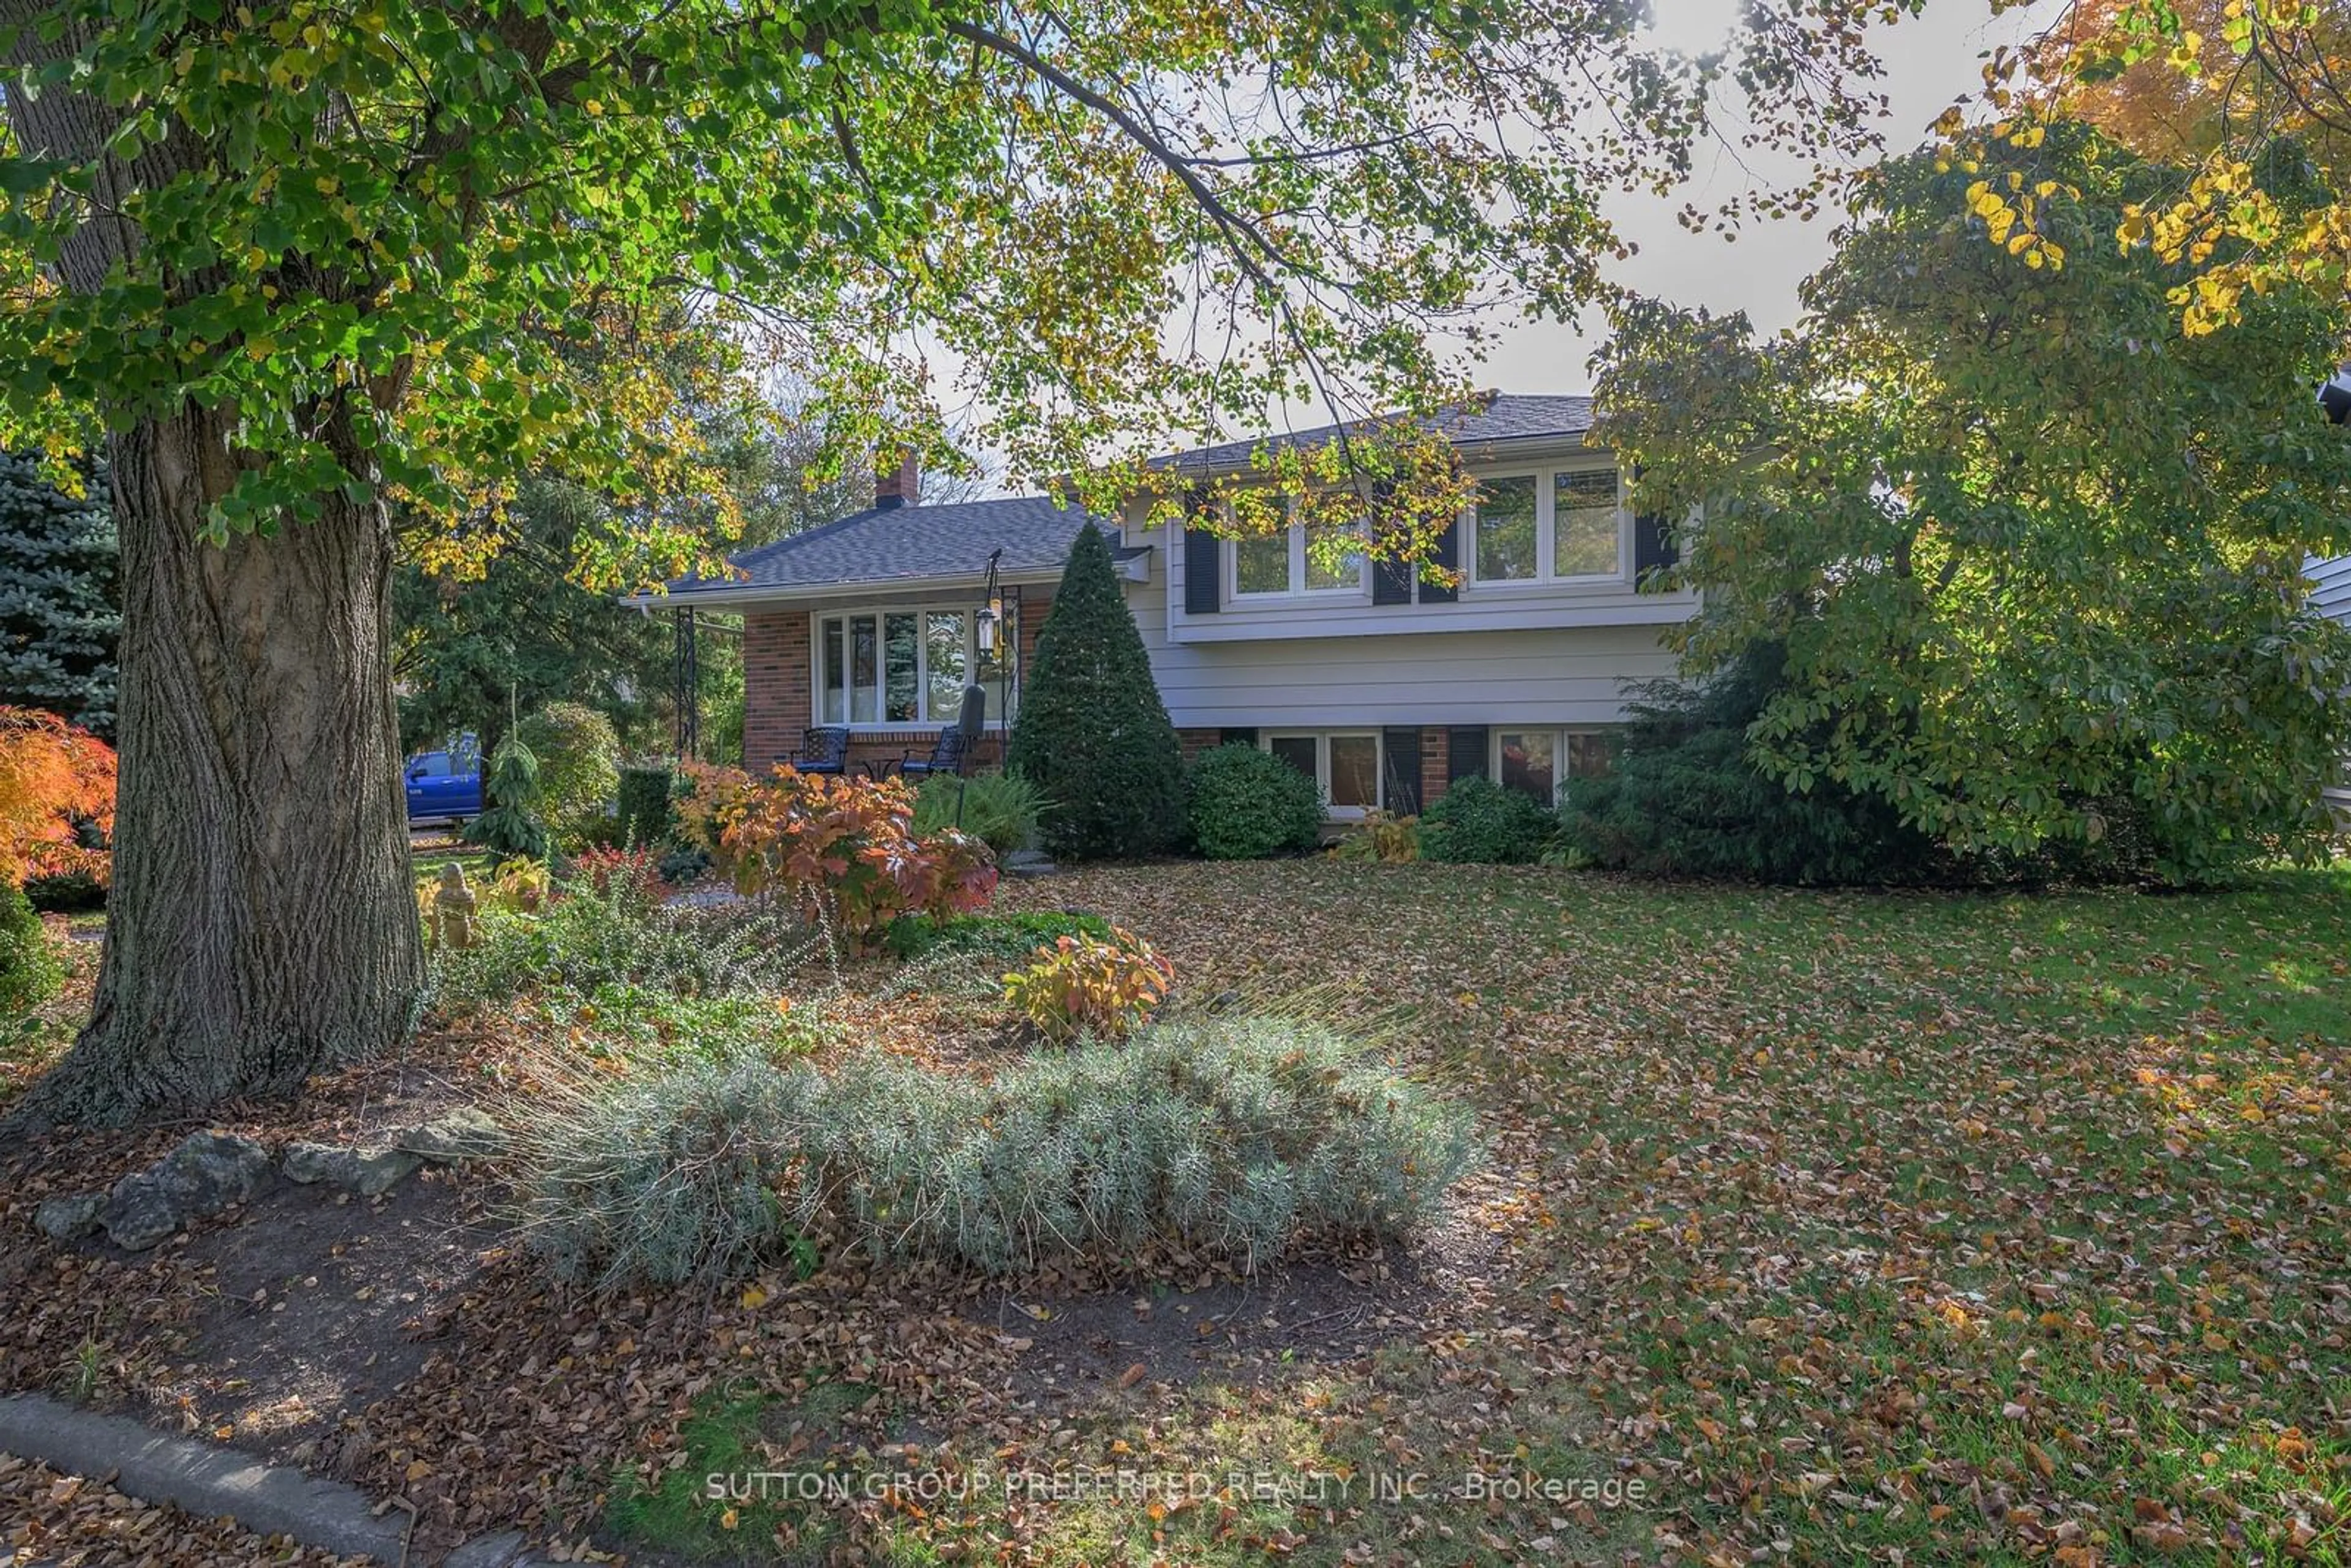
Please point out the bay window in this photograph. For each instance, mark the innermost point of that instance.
(909, 667)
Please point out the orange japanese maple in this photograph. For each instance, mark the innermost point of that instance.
(54, 780)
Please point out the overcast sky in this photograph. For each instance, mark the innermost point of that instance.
(1931, 61)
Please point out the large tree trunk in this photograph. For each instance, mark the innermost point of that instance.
(262, 923)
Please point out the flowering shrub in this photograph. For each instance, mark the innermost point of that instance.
(836, 849)
(1084, 985)
(55, 781)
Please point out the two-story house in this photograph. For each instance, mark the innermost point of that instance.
(1383, 687)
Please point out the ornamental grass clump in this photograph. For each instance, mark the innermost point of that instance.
(585, 935)
(1233, 1137)
(656, 1177)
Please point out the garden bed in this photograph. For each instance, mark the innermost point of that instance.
(1956, 1225)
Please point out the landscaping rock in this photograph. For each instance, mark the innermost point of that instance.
(464, 1134)
(205, 1174)
(69, 1219)
(1028, 862)
(361, 1173)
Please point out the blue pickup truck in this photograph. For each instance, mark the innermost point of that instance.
(446, 783)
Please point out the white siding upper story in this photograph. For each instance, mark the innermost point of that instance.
(2333, 595)
(1568, 675)
(1549, 646)
(1545, 601)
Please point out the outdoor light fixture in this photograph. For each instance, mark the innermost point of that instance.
(991, 613)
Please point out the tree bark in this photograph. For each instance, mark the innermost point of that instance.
(263, 922)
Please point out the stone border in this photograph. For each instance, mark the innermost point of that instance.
(211, 1482)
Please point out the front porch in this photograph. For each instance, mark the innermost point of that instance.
(892, 673)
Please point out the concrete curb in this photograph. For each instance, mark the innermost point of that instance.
(209, 1481)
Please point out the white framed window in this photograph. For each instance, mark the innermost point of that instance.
(1508, 522)
(1551, 525)
(1587, 524)
(1535, 761)
(1298, 560)
(1345, 765)
(1261, 566)
(890, 669)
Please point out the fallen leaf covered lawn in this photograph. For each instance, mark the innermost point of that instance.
(1810, 1227)
(1965, 1227)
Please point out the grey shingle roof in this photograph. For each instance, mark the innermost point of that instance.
(911, 544)
(1497, 416)
(901, 544)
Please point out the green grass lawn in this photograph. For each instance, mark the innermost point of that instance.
(1861, 1226)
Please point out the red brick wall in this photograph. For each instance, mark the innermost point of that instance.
(779, 683)
(776, 684)
(1035, 604)
(1434, 748)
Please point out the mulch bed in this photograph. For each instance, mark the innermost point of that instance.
(406, 1346)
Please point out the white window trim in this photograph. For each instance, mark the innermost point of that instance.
(1322, 739)
(1228, 560)
(1558, 743)
(971, 657)
(1546, 478)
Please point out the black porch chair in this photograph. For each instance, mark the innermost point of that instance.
(824, 750)
(948, 755)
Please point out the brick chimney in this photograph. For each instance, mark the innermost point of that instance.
(899, 483)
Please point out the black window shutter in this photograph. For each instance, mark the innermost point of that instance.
(1390, 579)
(1204, 567)
(1448, 556)
(1201, 572)
(1465, 752)
(1654, 546)
(1400, 756)
(1236, 735)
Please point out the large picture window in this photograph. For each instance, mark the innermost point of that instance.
(906, 668)
(1566, 525)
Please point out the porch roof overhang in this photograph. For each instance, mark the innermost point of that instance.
(1134, 565)
(901, 549)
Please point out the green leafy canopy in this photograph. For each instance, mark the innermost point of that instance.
(380, 233)
(2033, 551)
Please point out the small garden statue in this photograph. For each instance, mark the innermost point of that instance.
(452, 910)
